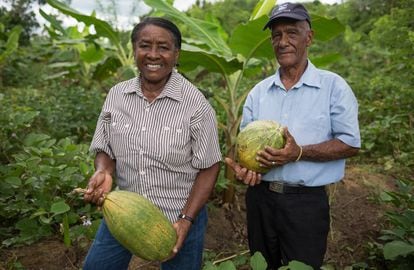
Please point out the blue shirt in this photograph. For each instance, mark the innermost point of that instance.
(319, 107)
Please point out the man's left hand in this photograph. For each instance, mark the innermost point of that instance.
(272, 157)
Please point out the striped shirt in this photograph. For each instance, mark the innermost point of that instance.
(159, 147)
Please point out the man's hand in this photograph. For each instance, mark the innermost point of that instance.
(271, 157)
(243, 174)
(99, 184)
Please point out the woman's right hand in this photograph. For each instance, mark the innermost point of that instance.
(99, 184)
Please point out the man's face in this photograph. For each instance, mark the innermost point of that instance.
(155, 53)
(290, 40)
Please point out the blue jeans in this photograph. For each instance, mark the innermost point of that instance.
(107, 254)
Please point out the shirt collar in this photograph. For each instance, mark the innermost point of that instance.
(172, 89)
(310, 78)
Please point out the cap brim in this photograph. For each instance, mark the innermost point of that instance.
(288, 16)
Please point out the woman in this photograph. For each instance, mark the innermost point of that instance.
(157, 134)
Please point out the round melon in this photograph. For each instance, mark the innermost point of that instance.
(255, 137)
(139, 225)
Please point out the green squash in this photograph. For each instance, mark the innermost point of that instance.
(255, 137)
(139, 225)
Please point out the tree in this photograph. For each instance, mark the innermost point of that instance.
(20, 13)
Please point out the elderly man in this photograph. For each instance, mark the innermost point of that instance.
(287, 208)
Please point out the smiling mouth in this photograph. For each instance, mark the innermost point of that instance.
(153, 66)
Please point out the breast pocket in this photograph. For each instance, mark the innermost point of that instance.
(316, 128)
(174, 143)
(120, 137)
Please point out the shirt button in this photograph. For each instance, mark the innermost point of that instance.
(142, 172)
(141, 152)
(144, 129)
(147, 109)
(126, 125)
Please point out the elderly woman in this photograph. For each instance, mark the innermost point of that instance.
(157, 135)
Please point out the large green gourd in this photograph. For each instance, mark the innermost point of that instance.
(255, 137)
(139, 225)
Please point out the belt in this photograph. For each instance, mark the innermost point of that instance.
(284, 188)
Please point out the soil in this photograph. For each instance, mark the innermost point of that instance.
(356, 220)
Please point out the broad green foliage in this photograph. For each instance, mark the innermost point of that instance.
(35, 185)
(8, 47)
(97, 55)
(12, 43)
(398, 241)
(57, 109)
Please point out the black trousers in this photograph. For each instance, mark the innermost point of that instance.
(288, 226)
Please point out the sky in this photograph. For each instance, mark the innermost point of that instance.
(128, 11)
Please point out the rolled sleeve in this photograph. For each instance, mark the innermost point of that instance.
(100, 140)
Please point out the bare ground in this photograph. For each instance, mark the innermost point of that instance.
(356, 220)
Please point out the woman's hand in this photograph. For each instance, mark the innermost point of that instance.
(99, 184)
(182, 227)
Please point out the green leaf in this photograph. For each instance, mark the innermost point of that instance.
(84, 168)
(102, 28)
(53, 22)
(59, 208)
(326, 59)
(12, 42)
(397, 248)
(33, 139)
(27, 225)
(262, 8)
(193, 57)
(258, 262)
(39, 212)
(13, 181)
(227, 265)
(296, 265)
(92, 54)
(208, 32)
(250, 40)
(326, 29)
(209, 266)
(106, 69)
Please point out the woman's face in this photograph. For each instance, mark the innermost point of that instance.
(155, 54)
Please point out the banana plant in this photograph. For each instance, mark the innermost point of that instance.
(247, 48)
(100, 53)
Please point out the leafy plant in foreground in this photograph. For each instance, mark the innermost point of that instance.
(34, 189)
(399, 239)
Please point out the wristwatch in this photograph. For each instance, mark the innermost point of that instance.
(184, 216)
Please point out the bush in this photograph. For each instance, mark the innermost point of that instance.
(35, 191)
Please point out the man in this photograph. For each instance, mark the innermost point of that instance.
(287, 208)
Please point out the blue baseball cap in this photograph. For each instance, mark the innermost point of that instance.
(294, 11)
